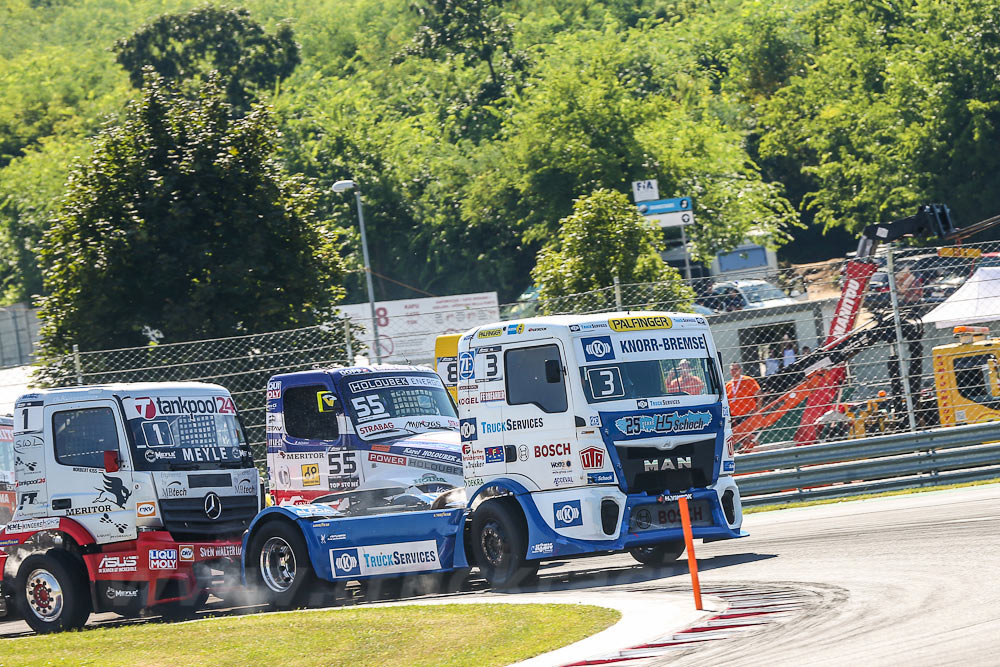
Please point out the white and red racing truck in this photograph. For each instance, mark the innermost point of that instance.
(128, 497)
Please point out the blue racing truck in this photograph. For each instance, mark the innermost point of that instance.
(579, 434)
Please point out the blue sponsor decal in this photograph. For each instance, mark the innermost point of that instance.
(494, 454)
(567, 514)
(598, 348)
(514, 329)
(729, 466)
(345, 562)
(466, 365)
(665, 422)
(467, 427)
(8, 543)
(600, 478)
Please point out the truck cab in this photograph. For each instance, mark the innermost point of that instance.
(967, 377)
(580, 432)
(337, 434)
(128, 496)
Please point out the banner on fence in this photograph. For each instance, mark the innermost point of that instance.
(407, 327)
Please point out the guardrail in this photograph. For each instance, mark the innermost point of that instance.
(882, 463)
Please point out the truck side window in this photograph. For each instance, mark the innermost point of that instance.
(81, 437)
(303, 418)
(524, 369)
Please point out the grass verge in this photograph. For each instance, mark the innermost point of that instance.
(459, 634)
(863, 496)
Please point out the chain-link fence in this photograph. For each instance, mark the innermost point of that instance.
(806, 357)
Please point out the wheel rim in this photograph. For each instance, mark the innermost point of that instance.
(495, 544)
(277, 564)
(44, 594)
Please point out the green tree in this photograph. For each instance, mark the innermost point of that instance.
(183, 221)
(471, 31)
(605, 237)
(184, 48)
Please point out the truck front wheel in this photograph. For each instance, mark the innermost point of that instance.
(658, 554)
(52, 592)
(281, 565)
(499, 542)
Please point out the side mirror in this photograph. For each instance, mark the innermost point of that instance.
(111, 461)
(553, 371)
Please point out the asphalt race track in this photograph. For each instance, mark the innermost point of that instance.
(904, 580)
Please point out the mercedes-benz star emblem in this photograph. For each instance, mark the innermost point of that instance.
(213, 506)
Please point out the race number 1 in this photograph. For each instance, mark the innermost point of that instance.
(28, 419)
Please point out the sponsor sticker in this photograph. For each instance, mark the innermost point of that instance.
(467, 427)
(541, 548)
(310, 474)
(221, 550)
(598, 348)
(512, 425)
(600, 477)
(163, 559)
(558, 449)
(514, 329)
(32, 525)
(640, 323)
(494, 454)
(490, 333)
(667, 422)
(378, 457)
(111, 564)
(185, 553)
(592, 458)
(385, 559)
(145, 509)
(567, 514)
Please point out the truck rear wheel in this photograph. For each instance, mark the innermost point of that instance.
(500, 542)
(52, 592)
(282, 570)
(658, 554)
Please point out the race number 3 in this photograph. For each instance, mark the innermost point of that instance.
(606, 382)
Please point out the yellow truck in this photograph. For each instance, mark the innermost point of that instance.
(967, 377)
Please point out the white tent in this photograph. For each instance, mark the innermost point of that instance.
(976, 301)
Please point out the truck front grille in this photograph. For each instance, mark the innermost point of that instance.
(185, 518)
(653, 471)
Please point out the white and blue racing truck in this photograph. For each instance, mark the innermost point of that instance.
(579, 433)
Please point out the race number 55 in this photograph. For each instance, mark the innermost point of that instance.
(368, 407)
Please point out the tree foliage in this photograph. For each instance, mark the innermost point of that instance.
(184, 48)
(183, 221)
(473, 126)
(606, 237)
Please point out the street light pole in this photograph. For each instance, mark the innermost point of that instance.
(344, 186)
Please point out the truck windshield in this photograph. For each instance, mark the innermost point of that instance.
(389, 406)
(190, 442)
(650, 379)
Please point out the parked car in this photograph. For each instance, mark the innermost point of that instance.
(744, 294)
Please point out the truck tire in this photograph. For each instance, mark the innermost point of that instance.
(282, 571)
(500, 542)
(52, 592)
(658, 554)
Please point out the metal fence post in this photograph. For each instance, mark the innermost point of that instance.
(904, 363)
(347, 340)
(77, 364)
(618, 294)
